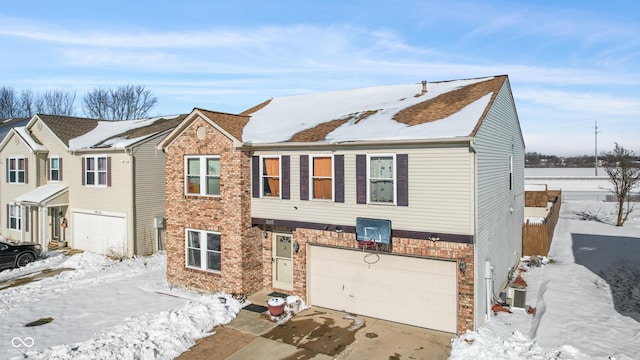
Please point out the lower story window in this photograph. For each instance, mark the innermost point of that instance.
(203, 250)
(15, 217)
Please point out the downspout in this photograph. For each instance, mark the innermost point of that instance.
(472, 148)
(488, 278)
(132, 245)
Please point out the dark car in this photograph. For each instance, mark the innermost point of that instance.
(14, 255)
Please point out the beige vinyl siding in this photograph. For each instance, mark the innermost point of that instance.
(116, 198)
(149, 193)
(15, 147)
(440, 193)
(499, 228)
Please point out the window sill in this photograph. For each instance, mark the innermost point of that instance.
(382, 203)
(215, 272)
(202, 196)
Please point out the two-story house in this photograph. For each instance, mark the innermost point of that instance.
(398, 202)
(96, 185)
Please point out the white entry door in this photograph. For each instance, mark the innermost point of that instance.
(282, 262)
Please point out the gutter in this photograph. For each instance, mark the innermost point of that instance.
(249, 146)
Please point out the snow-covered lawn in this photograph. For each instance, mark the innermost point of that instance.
(105, 309)
(582, 295)
(125, 309)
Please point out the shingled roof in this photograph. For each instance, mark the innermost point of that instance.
(448, 109)
(233, 124)
(84, 133)
(68, 127)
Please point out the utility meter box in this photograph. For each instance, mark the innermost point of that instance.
(158, 222)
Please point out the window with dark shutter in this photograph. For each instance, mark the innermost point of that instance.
(403, 179)
(361, 179)
(255, 176)
(286, 177)
(338, 164)
(304, 177)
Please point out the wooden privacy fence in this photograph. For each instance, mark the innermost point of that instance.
(536, 238)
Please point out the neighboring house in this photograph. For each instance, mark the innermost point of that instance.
(97, 185)
(399, 202)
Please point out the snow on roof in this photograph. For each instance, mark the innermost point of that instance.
(26, 136)
(109, 130)
(286, 116)
(41, 193)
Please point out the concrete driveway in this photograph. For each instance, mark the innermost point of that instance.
(318, 333)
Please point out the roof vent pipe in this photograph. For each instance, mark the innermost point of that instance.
(424, 87)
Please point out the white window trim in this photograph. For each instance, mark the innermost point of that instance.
(96, 172)
(51, 168)
(203, 176)
(203, 251)
(18, 218)
(395, 180)
(333, 177)
(17, 158)
(262, 176)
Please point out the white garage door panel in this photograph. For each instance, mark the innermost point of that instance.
(409, 290)
(102, 234)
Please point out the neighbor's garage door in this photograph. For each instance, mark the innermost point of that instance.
(99, 233)
(414, 291)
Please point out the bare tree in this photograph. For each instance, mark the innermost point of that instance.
(123, 103)
(624, 175)
(8, 103)
(27, 103)
(56, 102)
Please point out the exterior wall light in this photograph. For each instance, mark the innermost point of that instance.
(434, 237)
(463, 266)
(296, 247)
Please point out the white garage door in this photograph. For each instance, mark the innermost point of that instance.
(414, 291)
(99, 233)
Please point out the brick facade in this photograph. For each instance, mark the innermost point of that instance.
(229, 214)
(401, 246)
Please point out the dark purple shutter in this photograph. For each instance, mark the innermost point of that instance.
(8, 219)
(8, 167)
(255, 176)
(26, 170)
(338, 168)
(361, 179)
(27, 213)
(286, 177)
(108, 170)
(402, 165)
(84, 167)
(49, 169)
(60, 169)
(304, 177)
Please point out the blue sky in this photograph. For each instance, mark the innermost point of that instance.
(570, 63)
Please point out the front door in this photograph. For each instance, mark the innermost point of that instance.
(55, 222)
(282, 262)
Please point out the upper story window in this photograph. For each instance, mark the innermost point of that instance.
(96, 171)
(203, 250)
(382, 179)
(55, 169)
(202, 175)
(17, 170)
(322, 177)
(271, 176)
(14, 217)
